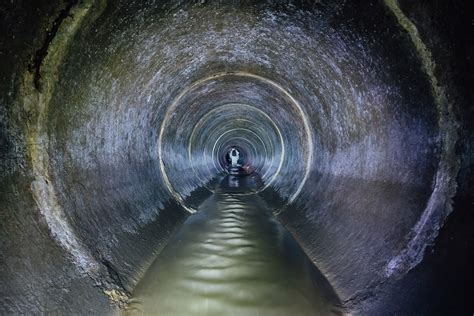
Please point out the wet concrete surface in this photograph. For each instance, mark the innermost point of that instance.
(233, 258)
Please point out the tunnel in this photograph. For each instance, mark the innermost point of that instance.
(354, 118)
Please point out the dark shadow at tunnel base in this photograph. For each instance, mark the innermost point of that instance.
(239, 181)
(233, 258)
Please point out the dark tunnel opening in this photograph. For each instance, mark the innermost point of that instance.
(353, 125)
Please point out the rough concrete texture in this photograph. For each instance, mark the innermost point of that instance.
(114, 115)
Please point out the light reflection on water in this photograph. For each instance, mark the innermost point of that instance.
(233, 258)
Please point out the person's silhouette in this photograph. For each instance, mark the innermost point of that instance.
(234, 157)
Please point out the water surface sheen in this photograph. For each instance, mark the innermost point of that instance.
(233, 258)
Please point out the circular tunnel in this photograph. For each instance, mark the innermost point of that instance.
(237, 109)
(134, 106)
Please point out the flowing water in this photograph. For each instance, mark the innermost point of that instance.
(233, 258)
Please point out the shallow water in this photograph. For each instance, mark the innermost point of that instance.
(233, 258)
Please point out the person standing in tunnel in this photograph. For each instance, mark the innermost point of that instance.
(234, 157)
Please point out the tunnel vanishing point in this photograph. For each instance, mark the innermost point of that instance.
(353, 121)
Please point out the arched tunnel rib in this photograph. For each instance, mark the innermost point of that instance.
(344, 116)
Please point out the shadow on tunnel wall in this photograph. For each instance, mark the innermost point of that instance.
(110, 199)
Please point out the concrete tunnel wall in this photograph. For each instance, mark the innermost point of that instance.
(118, 121)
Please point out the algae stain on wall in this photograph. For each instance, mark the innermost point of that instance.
(35, 94)
(444, 183)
